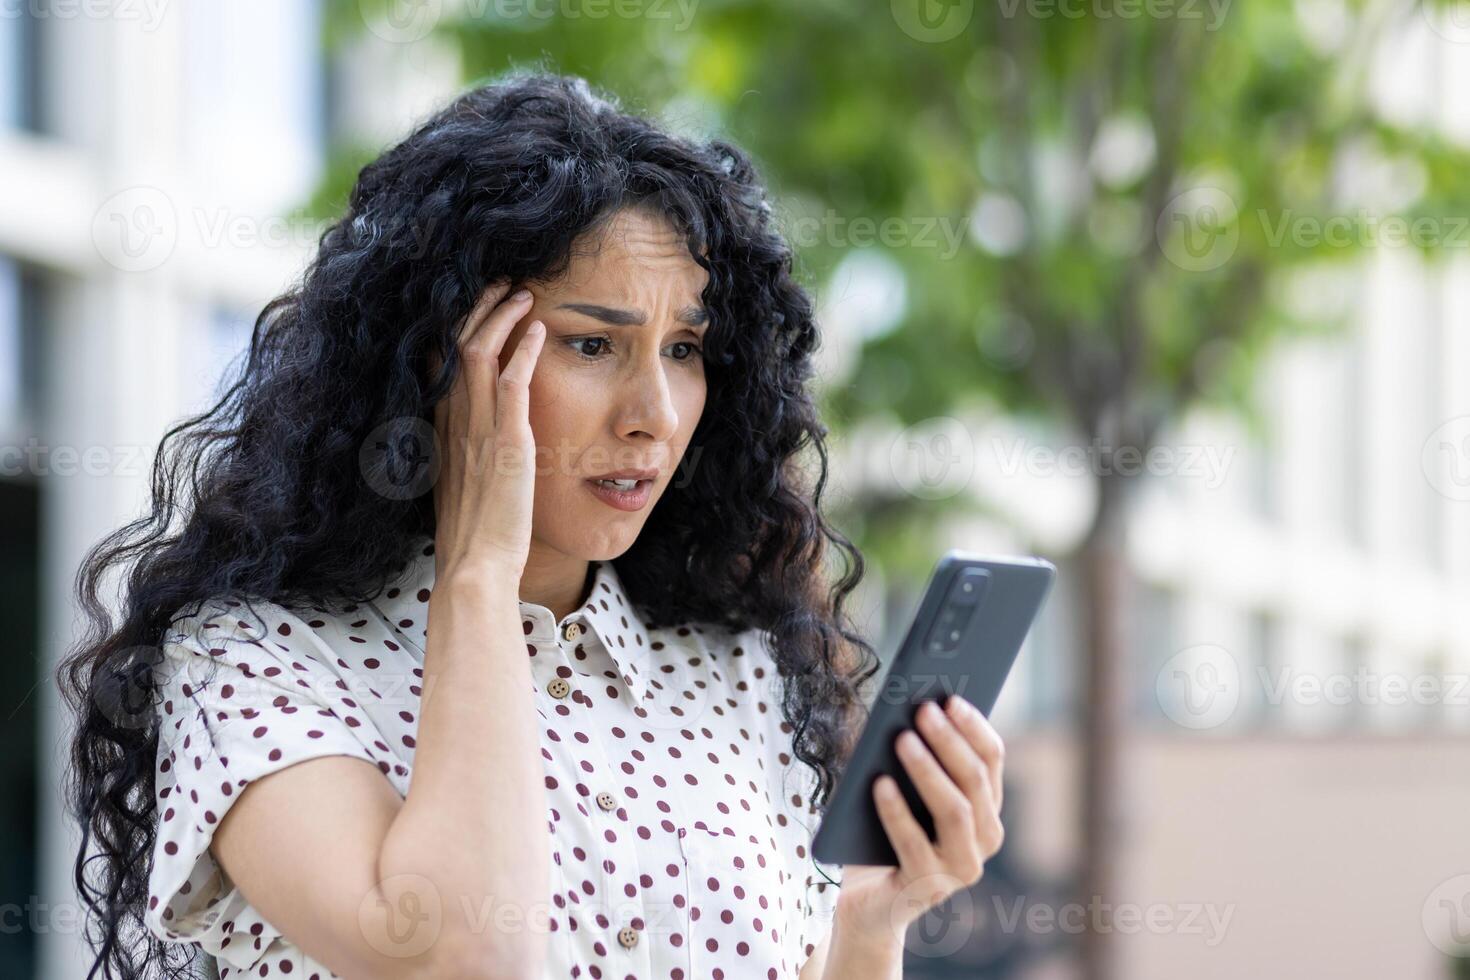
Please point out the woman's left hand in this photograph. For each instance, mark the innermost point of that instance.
(956, 767)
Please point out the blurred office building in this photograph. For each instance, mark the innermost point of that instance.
(1295, 787)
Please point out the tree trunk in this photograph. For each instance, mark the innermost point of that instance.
(1103, 573)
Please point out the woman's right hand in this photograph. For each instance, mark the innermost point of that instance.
(487, 477)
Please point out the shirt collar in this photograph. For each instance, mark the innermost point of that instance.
(609, 613)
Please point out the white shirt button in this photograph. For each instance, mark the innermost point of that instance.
(571, 631)
(558, 688)
(606, 800)
(628, 937)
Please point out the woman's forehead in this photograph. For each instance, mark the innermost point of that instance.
(632, 251)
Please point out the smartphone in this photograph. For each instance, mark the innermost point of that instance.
(971, 621)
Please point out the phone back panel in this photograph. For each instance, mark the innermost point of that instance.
(972, 662)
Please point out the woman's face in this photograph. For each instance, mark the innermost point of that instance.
(619, 384)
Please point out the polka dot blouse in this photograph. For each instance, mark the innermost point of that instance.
(680, 823)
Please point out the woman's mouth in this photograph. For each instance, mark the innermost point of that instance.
(622, 494)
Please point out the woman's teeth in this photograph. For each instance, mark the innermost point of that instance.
(620, 484)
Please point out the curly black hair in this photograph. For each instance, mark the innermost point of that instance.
(266, 494)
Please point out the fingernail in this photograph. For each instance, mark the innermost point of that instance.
(521, 294)
(931, 710)
(536, 326)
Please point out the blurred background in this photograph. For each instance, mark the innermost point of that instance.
(1173, 292)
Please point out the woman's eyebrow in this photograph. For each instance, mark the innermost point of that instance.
(693, 315)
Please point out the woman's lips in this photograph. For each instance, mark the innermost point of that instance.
(634, 499)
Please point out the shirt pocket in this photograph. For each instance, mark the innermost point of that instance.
(741, 906)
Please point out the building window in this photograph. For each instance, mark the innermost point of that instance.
(10, 354)
(252, 103)
(1051, 656)
(1154, 632)
(1353, 431)
(1261, 478)
(229, 342)
(1261, 672)
(1430, 542)
(19, 103)
(20, 339)
(1346, 702)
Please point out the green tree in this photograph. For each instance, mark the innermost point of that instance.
(1131, 182)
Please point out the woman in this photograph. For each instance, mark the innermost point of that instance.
(494, 640)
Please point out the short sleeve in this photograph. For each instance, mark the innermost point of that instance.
(239, 695)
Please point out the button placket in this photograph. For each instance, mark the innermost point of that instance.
(622, 918)
(551, 674)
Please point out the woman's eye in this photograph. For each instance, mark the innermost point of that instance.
(587, 340)
(693, 350)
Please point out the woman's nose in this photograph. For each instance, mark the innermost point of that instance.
(649, 404)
